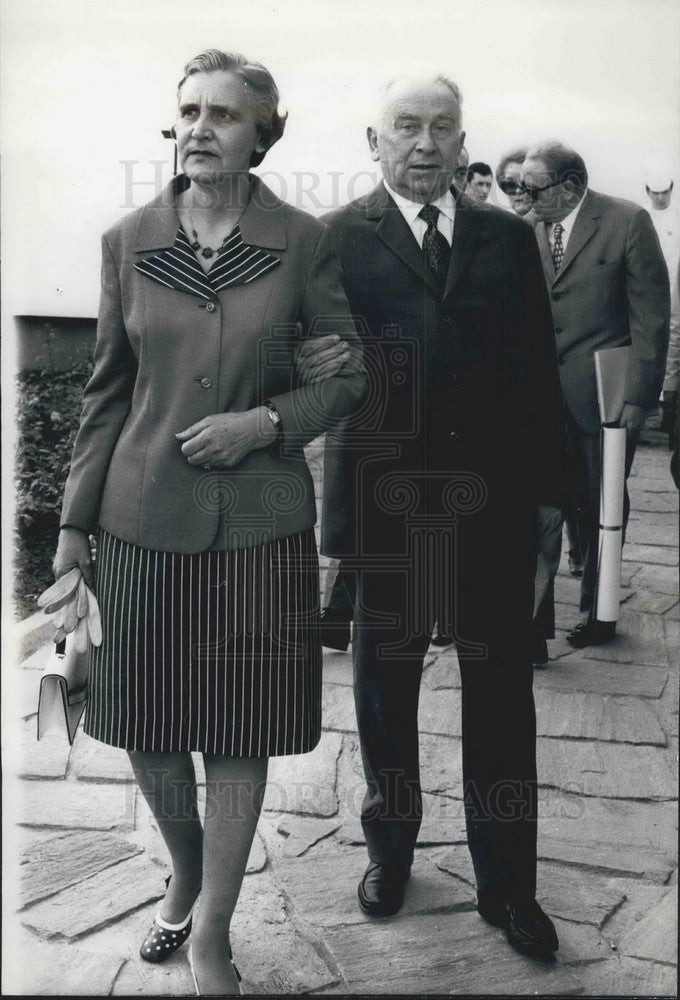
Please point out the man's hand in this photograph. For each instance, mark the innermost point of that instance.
(321, 358)
(632, 418)
(224, 439)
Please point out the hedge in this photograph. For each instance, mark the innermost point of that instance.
(48, 412)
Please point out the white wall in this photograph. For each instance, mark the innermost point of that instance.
(88, 84)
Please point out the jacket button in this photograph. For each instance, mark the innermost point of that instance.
(454, 435)
(556, 296)
(206, 383)
(558, 329)
(210, 307)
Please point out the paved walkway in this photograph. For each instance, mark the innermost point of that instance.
(93, 862)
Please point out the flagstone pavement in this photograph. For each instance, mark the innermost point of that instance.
(85, 864)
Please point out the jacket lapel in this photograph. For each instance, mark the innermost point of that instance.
(541, 231)
(396, 234)
(242, 260)
(466, 236)
(585, 226)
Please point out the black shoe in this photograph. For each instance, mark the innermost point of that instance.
(528, 929)
(335, 629)
(591, 633)
(381, 890)
(575, 566)
(539, 653)
(164, 938)
(441, 638)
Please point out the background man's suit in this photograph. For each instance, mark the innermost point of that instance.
(430, 491)
(611, 290)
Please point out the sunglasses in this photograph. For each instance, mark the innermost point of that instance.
(533, 192)
(511, 187)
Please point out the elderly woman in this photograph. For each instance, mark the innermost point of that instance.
(189, 465)
(509, 180)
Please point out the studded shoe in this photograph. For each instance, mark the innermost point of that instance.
(164, 938)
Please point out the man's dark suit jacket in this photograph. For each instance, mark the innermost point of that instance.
(466, 383)
(611, 290)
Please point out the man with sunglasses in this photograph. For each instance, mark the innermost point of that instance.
(608, 287)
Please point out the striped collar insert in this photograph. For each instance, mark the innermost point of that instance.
(237, 263)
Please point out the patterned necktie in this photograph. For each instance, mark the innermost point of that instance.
(435, 247)
(558, 246)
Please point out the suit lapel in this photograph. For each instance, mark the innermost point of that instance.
(466, 236)
(585, 226)
(396, 234)
(541, 231)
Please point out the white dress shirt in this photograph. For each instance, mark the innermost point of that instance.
(409, 209)
(567, 225)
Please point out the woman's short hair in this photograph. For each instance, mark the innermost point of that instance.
(563, 162)
(517, 155)
(259, 82)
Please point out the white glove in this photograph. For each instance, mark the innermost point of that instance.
(74, 609)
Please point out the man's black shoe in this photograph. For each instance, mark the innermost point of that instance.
(381, 890)
(591, 633)
(335, 629)
(528, 929)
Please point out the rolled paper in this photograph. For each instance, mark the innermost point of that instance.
(611, 523)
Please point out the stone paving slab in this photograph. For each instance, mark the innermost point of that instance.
(337, 711)
(66, 859)
(439, 712)
(642, 532)
(573, 673)
(606, 770)
(337, 668)
(302, 832)
(639, 639)
(590, 716)
(442, 671)
(655, 935)
(660, 578)
(622, 977)
(650, 602)
(306, 883)
(97, 901)
(581, 943)
(306, 783)
(572, 895)
(33, 758)
(95, 761)
(75, 805)
(622, 837)
(645, 500)
(656, 555)
(451, 954)
(59, 970)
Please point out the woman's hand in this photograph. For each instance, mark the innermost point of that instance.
(224, 439)
(320, 358)
(73, 549)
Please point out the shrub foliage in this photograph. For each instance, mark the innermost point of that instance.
(48, 412)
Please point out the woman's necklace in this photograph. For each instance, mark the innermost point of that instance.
(206, 252)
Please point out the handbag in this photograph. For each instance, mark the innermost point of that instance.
(63, 690)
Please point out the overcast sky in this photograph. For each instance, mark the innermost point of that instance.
(87, 85)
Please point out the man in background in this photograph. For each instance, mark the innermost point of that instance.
(666, 218)
(479, 181)
(608, 286)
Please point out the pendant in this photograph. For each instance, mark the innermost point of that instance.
(207, 252)
(195, 245)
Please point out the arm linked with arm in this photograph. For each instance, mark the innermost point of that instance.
(310, 409)
(106, 404)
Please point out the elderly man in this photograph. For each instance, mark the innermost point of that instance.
(609, 287)
(432, 494)
(460, 173)
(479, 180)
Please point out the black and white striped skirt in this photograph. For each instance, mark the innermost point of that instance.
(216, 652)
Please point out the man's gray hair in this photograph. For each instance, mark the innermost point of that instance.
(383, 93)
(563, 162)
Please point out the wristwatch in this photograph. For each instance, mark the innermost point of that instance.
(275, 417)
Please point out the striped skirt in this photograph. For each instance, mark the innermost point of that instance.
(216, 652)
